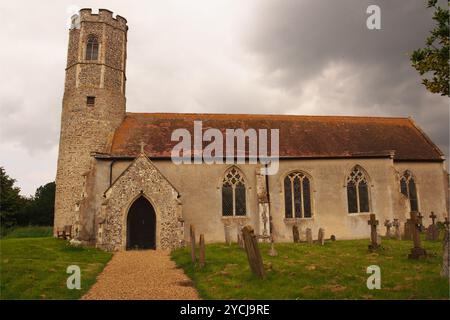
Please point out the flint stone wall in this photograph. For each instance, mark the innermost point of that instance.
(142, 178)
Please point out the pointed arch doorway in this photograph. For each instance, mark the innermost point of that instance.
(141, 225)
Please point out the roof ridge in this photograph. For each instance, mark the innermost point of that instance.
(179, 114)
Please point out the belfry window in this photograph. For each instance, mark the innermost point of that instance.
(357, 191)
(92, 48)
(297, 196)
(233, 194)
(408, 189)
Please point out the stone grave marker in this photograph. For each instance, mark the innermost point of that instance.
(253, 253)
(420, 220)
(321, 236)
(228, 235)
(309, 236)
(388, 226)
(417, 251)
(272, 251)
(432, 230)
(396, 225)
(239, 240)
(201, 244)
(407, 233)
(192, 234)
(295, 234)
(374, 245)
(445, 255)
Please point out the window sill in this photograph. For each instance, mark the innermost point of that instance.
(356, 214)
(296, 220)
(239, 219)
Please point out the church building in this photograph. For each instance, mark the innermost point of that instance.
(118, 187)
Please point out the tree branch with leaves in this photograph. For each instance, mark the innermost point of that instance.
(432, 62)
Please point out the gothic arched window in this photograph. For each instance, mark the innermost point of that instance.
(233, 194)
(408, 189)
(92, 48)
(297, 196)
(357, 191)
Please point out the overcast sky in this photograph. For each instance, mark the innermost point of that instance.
(254, 56)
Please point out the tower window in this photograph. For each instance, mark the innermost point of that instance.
(92, 48)
(90, 101)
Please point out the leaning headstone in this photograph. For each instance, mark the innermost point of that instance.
(408, 229)
(445, 256)
(309, 238)
(374, 244)
(417, 251)
(321, 236)
(228, 235)
(388, 226)
(432, 230)
(201, 245)
(295, 234)
(253, 253)
(192, 234)
(396, 225)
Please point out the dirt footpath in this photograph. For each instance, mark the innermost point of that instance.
(143, 274)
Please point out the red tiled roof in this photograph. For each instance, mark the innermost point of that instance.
(300, 136)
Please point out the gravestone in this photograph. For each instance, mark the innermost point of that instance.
(253, 253)
(388, 226)
(228, 235)
(417, 251)
(407, 233)
(309, 236)
(295, 234)
(192, 234)
(420, 220)
(374, 245)
(321, 236)
(396, 225)
(432, 230)
(201, 244)
(239, 240)
(445, 255)
(272, 251)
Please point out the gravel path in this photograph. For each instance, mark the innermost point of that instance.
(144, 274)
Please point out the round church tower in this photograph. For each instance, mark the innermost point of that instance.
(93, 103)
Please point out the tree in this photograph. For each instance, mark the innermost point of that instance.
(10, 200)
(40, 209)
(434, 58)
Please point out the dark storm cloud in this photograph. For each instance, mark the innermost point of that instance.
(297, 40)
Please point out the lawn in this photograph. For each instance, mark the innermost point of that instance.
(336, 270)
(28, 232)
(35, 268)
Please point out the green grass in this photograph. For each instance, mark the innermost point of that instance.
(35, 268)
(29, 232)
(334, 271)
